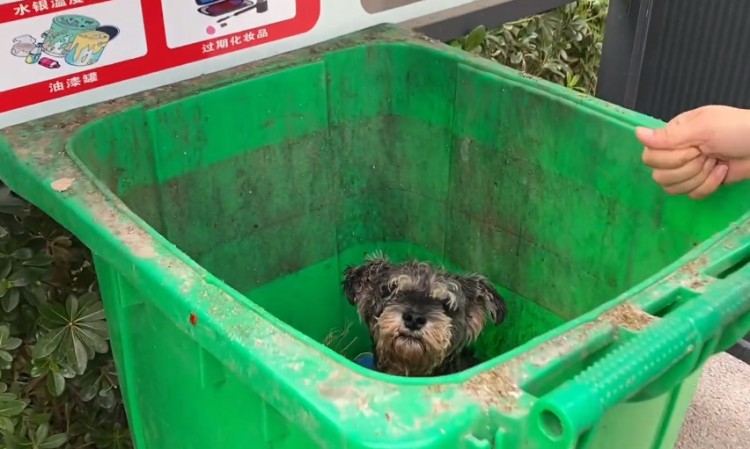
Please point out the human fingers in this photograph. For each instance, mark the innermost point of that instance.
(691, 184)
(712, 182)
(672, 176)
(685, 130)
(739, 170)
(669, 159)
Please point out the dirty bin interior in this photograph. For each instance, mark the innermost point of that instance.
(276, 184)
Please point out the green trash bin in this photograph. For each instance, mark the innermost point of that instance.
(222, 211)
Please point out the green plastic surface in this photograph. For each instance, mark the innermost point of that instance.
(223, 210)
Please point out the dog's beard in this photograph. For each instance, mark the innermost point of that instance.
(411, 353)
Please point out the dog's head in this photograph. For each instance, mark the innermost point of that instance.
(419, 316)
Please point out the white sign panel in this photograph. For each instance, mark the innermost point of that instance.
(56, 55)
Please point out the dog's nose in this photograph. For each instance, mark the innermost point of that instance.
(414, 321)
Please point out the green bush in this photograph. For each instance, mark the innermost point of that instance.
(58, 385)
(563, 46)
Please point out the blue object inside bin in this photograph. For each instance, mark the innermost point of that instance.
(366, 359)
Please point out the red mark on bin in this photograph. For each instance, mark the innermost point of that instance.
(193, 319)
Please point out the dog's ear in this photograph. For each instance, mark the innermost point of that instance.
(361, 280)
(354, 278)
(481, 292)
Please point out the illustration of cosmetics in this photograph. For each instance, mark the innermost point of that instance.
(49, 63)
(230, 9)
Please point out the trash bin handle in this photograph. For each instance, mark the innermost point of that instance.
(564, 414)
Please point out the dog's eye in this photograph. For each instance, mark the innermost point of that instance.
(447, 307)
(385, 291)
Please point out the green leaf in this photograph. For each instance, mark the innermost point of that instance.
(82, 356)
(91, 309)
(35, 293)
(11, 408)
(75, 353)
(14, 442)
(55, 383)
(39, 367)
(39, 418)
(107, 389)
(6, 341)
(22, 254)
(67, 371)
(54, 441)
(106, 399)
(90, 391)
(21, 278)
(48, 343)
(5, 267)
(71, 307)
(53, 315)
(76, 331)
(100, 327)
(42, 432)
(11, 344)
(493, 38)
(10, 302)
(475, 38)
(39, 260)
(92, 340)
(5, 356)
(6, 425)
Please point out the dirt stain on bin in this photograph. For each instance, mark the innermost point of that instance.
(628, 316)
(695, 267)
(136, 239)
(496, 388)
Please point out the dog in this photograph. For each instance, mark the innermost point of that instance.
(421, 318)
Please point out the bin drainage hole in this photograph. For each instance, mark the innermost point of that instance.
(551, 425)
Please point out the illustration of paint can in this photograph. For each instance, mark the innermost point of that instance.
(64, 29)
(59, 38)
(87, 47)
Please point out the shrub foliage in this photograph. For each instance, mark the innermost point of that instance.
(58, 385)
(563, 46)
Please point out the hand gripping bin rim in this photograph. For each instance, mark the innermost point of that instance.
(271, 354)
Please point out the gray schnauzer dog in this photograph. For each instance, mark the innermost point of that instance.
(421, 319)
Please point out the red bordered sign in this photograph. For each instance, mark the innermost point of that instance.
(54, 48)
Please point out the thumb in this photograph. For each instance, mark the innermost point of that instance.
(685, 130)
(739, 170)
(672, 136)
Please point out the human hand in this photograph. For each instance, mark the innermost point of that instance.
(699, 150)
